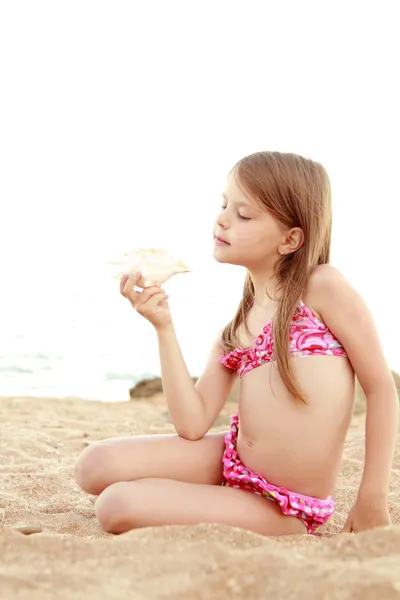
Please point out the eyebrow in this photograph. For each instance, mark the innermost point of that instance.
(238, 203)
(249, 204)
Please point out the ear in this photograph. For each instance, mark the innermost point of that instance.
(293, 241)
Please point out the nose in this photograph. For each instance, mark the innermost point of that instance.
(222, 220)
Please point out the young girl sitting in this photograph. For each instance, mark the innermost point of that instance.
(300, 335)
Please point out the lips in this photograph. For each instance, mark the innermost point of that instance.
(221, 240)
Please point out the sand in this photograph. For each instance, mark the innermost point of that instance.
(71, 558)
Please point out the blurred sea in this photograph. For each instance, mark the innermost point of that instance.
(65, 330)
(80, 337)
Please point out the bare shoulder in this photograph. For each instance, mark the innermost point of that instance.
(326, 277)
(329, 291)
(328, 287)
(323, 280)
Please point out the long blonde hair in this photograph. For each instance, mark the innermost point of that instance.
(296, 191)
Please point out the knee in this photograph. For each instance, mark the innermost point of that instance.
(90, 468)
(111, 509)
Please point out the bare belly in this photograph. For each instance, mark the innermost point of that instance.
(293, 445)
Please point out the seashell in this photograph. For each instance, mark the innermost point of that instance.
(155, 265)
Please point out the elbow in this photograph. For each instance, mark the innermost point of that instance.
(193, 426)
(191, 433)
(191, 438)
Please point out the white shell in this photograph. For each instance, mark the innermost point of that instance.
(156, 266)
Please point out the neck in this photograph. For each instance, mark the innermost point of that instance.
(265, 284)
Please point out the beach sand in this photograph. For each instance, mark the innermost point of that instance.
(71, 558)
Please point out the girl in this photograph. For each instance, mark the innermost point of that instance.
(299, 336)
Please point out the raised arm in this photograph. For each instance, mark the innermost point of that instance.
(193, 408)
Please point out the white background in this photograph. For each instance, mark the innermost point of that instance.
(120, 120)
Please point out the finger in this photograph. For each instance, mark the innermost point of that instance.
(122, 283)
(140, 300)
(149, 292)
(347, 527)
(152, 304)
(132, 279)
(128, 290)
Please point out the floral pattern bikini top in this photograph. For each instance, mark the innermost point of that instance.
(308, 336)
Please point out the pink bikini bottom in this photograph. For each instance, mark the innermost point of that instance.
(312, 511)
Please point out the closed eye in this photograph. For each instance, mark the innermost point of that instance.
(238, 214)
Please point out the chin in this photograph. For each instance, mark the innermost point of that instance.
(222, 261)
(223, 258)
(220, 256)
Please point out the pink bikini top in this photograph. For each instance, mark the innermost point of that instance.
(308, 336)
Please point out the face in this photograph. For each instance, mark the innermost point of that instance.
(253, 238)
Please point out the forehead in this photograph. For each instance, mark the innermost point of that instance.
(235, 194)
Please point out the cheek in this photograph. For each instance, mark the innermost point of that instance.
(261, 235)
(246, 236)
(252, 241)
(271, 233)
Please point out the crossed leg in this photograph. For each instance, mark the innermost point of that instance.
(154, 480)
